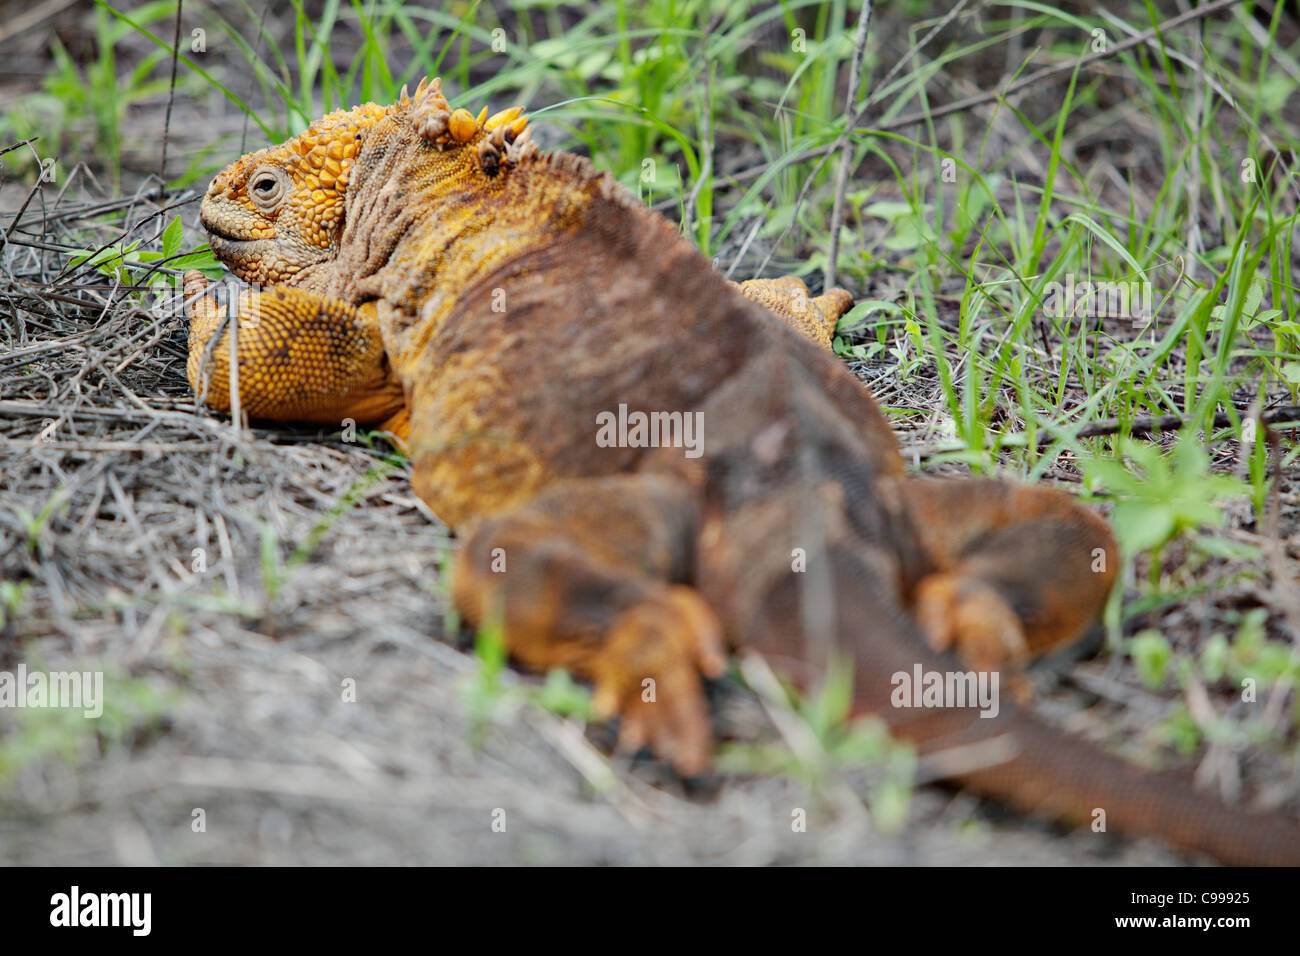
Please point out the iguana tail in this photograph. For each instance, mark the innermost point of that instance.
(1040, 770)
(1018, 758)
(1014, 756)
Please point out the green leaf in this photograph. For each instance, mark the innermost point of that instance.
(561, 695)
(1151, 655)
(171, 238)
(888, 209)
(1141, 525)
(1214, 658)
(199, 259)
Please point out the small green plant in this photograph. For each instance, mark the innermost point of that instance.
(485, 691)
(1248, 663)
(36, 734)
(137, 268)
(859, 315)
(563, 696)
(1159, 498)
(1251, 655)
(442, 584)
(34, 524)
(11, 597)
(346, 503)
(1151, 655)
(273, 575)
(276, 573)
(822, 741)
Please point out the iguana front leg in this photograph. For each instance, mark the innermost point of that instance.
(302, 357)
(586, 575)
(788, 298)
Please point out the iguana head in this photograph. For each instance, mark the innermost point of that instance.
(280, 210)
(276, 211)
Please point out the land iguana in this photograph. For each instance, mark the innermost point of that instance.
(432, 272)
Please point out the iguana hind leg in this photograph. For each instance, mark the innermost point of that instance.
(585, 576)
(788, 298)
(1018, 570)
(302, 357)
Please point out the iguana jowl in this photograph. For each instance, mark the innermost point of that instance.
(433, 271)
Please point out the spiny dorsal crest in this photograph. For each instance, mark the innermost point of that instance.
(328, 147)
(503, 138)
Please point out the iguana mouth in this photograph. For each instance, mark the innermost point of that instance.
(215, 232)
(233, 250)
(236, 253)
(219, 242)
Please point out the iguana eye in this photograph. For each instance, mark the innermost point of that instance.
(267, 187)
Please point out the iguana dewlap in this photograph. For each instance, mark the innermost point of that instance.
(430, 270)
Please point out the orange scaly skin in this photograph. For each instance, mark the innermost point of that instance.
(432, 271)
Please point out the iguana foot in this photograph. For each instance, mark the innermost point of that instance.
(648, 674)
(581, 576)
(1016, 571)
(789, 299)
(969, 616)
(399, 427)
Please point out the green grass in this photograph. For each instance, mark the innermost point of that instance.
(821, 742)
(88, 93)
